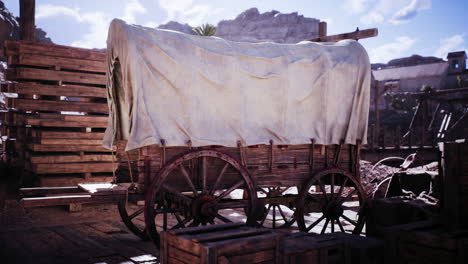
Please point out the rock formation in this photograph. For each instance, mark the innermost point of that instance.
(251, 26)
(173, 25)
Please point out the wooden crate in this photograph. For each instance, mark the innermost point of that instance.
(455, 185)
(361, 250)
(226, 243)
(308, 248)
(431, 245)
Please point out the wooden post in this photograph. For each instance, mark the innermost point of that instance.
(322, 29)
(27, 24)
(376, 113)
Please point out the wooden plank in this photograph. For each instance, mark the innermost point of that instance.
(45, 105)
(61, 168)
(78, 135)
(33, 47)
(68, 158)
(54, 90)
(69, 141)
(183, 256)
(75, 118)
(361, 34)
(19, 74)
(255, 257)
(67, 148)
(54, 200)
(61, 62)
(68, 181)
(49, 190)
(58, 123)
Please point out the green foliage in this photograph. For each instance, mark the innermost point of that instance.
(205, 30)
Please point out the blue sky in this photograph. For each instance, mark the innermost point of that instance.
(406, 27)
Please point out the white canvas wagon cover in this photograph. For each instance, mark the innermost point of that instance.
(177, 87)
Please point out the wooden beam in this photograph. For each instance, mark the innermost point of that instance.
(54, 50)
(61, 168)
(54, 90)
(46, 105)
(21, 74)
(61, 62)
(67, 148)
(27, 21)
(358, 34)
(69, 158)
(322, 29)
(78, 135)
(49, 190)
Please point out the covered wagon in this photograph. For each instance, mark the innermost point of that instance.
(264, 133)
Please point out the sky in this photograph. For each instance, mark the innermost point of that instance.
(406, 27)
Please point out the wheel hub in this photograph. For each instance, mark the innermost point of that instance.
(204, 208)
(333, 210)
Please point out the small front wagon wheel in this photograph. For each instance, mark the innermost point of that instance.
(199, 188)
(331, 201)
(133, 217)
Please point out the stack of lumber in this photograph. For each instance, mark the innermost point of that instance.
(223, 244)
(57, 112)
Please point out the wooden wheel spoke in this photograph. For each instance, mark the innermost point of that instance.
(194, 223)
(179, 220)
(274, 216)
(182, 223)
(282, 214)
(332, 185)
(188, 180)
(222, 218)
(137, 213)
(342, 187)
(228, 191)
(340, 225)
(348, 219)
(332, 226)
(322, 188)
(266, 214)
(343, 199)
(325, 226)
(315, 223)
(204, 174)
(164, 221)
(176, 193)
(218, 179)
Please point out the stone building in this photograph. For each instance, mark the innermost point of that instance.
(411, 77)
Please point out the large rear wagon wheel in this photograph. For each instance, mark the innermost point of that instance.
(199, 188)
(331, 201)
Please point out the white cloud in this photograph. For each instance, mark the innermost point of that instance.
(133, 8)
(98, 22)
(357, 6)
(185, 11)
(408, 12)
(392, 50)
(374, 12)
(453, 43)
(372, 17)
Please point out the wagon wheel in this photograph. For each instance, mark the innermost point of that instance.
(198, 188)
(332, 192)
(278, 208)
(133, 218)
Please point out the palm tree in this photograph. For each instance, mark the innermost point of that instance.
(205, 30)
